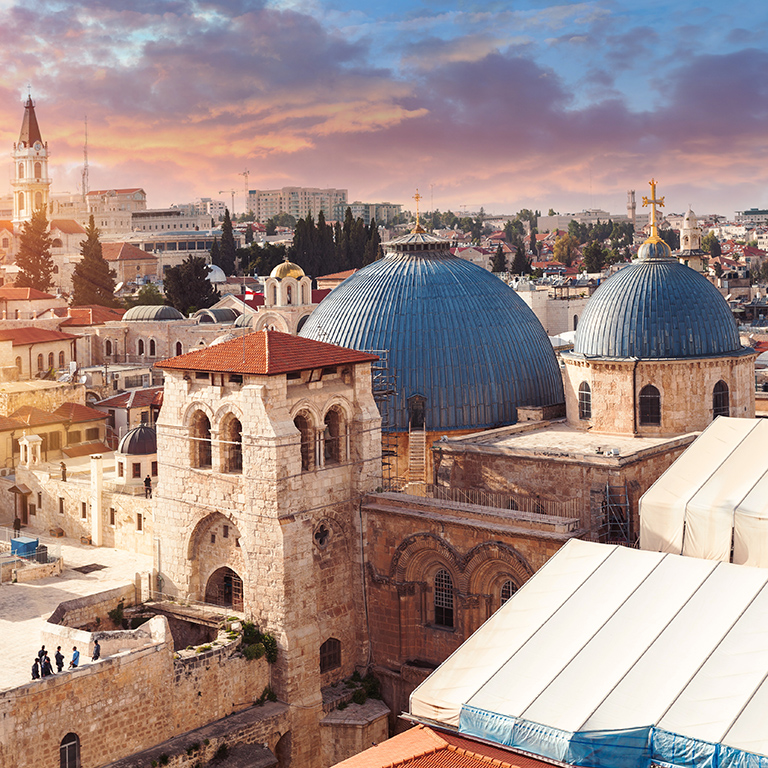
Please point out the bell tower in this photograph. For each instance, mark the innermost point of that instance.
(31, 184)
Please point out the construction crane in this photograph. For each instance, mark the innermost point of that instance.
(246, 173)
(231, 192)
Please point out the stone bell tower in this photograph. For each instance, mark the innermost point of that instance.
(31, 184)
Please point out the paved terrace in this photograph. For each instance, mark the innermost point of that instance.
(24, 608)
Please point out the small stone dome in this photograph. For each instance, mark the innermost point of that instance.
(216, 274)
(245, 321)
(152, 313)
(140, 441)
(287, 269)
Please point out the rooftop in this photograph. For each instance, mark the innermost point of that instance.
(24, 336)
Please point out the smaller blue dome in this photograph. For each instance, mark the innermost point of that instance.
(140, 441)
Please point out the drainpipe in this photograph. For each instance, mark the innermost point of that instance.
(634, 397)
(97, 485)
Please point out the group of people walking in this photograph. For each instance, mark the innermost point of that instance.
(42, 666)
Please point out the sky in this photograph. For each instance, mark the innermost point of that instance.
(504, 105)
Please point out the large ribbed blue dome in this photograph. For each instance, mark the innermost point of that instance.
(454, 333)
(657, 308)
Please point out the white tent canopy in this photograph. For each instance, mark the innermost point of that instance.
(614, 658)
(713, 499)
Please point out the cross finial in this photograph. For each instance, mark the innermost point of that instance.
(417, 197)
(653, 201)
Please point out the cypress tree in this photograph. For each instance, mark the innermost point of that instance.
(93, 282)
(34, 260)
(215, 253)
(499, 263)
(228, 248)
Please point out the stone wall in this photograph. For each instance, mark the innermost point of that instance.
(27, 572)
(45, 395)
(84, 611)
(344, 733)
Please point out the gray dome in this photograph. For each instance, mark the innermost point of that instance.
(657, 308)
(454, 333)
(245, 321)
(221, 315)
(152, 313)
(140, 441)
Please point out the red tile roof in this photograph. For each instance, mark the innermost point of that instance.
(7, 424)
(6, 226)
(24, 336)
(12, 292)
(85, 449)
(265, 353)
(77, 413)
(136, 398)
(34, 417)
(125, 252)
(68, 226)
(256, 300)
(319, 295)
(91, 315)
(423, 747)
(338, 275)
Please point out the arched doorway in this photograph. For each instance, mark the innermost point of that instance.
(225, 588)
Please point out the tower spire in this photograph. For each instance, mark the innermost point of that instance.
(30, 131)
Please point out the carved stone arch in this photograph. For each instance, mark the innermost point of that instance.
(199, 551)
(271, 288)
(223, 412)
(271, 319)
(337, 401)
(307, 407)
(289, 292)
(488, 562)
(300, 322)
(422, 552)
(192, 408)
(305, 291)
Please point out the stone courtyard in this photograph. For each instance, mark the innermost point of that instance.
(24, 608)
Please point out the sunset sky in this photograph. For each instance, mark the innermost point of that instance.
(497, 104)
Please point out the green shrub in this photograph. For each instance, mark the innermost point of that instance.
(372, 686)
(164, 759)
(255, 651)
(270, 646)
(359, 696)
(116, 614)
(206, 742)
(251, 635)
(343, 705)
(154, 764)
(222, 752)
(356, 676)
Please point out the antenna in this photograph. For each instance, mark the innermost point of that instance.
(245, 173)
(85, 163)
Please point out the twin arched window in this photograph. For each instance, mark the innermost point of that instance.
(302, 423)
(443, 599)
(721, 404)
(585, 401)
(233, 446)
(650, 406)
(332, 437)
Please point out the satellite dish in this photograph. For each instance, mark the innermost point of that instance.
(119, 286)
(83, 379)
(728, 297)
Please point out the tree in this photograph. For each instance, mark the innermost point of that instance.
(711, 245)
(520, 264)
(594, 257)
(499, 263)
(187, 286)
(215, 253)
(551, 212)
(566, 249)
(228, 247)
(34, 260)
(148, 295)
(93, 282)
(671, 237)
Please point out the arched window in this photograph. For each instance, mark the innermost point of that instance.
(650, 406)
(585, 401)
(201, 441)
(18, 364)
(40, 364)
(21, 170)
(38, 200)
(332, 437)
(274, 294)
(141, 346)
(721, 403)
(288, 295)
(233, 446)
(304, 294)
(50, 360)
(108, 348)
(38, 170)
(304, 426)
(69, 751)
(508, 588)
(330, 654)
(152, 347)
(443, 599)
(21, 201)
(575, 321)
(61, 359)
(178, 348)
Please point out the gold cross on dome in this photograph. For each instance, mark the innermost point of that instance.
(417, 197)
(653, 202)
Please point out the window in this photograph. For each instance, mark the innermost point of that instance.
(443, 599)
(39, 500)
(108, 348)
(50, 359)
(18, 364)
(332, 437)
(92, 433)
(213, 538)
(61, 505)
(152, 347)
(139, 521)
(650, 406)
(84, 509)
(73, 438)
(305, 430)
(178, 348)
(21, 174)
(508, 589)
(111, 515)
(233, 446)
(136, 469)
(585, 401)
(69, 751)
(154, 469)
(120, 469)
(288, 295)
(201, 441)
(330, 655)
(61, 360)
(40, 364)
(141, 346)
(38, 170)
(721, 405)
(225, 531)
(54, 441)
